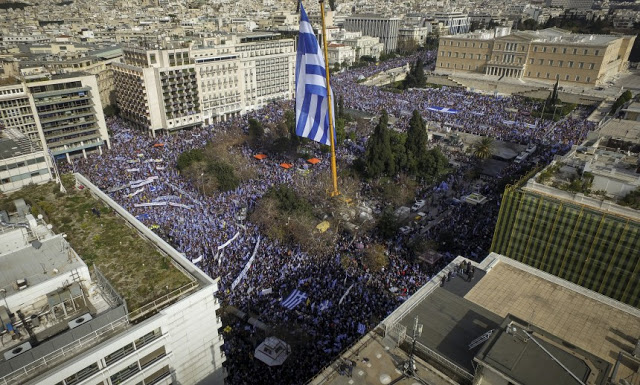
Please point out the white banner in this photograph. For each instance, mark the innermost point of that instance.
(152, 204)
(244, 271)
(197, 259)
(266, 291)
(133, 169)
(227, 243)
(138, 191)
(345, 294)
(180, 205)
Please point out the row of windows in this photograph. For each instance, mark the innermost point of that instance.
(565, 50)
(28, 162)
(557, 77)
(16, 178)
(464, 55)
(515, 46)
(466, 44)
(12, 91)
(570, 63)
(14, 103)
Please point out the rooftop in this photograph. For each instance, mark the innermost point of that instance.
(594, 323)
(591, 335)
(13, 143)
(137, 270)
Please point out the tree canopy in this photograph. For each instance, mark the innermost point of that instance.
(416, 76)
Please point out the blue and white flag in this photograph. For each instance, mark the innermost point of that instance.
(294, 299)
(312, 111)
(362, 328)
(324, 305)
(443, 109)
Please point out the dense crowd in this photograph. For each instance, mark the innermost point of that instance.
(341, 302)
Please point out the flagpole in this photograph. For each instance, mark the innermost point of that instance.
(334, 173)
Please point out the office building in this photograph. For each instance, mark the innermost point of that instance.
(61, 325)
(551, 54)
(572, 219)
(61, 114)
(21, 162)
(509, 324)
(455, 22)
(187, 85)
(385, 28)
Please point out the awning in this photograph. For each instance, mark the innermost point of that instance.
(313, 160)
(286, 165)
(259, 156)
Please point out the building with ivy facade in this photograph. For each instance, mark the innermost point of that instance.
(570, 220)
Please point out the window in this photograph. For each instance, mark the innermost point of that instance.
(560, 63)
(596, 52)
(586, 51)
(588, 79)
(570, 64)
(530, 61)
(547, 75)
(581, 65)
(577, 78)
(538, 74)
(544, 49)
(551, 63)
(541, 61)
(535, 49)
(590, 66)
(566, 77)
(554, 50)
(575, 51)
(564, 50)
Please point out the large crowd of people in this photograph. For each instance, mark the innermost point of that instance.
(340, 301)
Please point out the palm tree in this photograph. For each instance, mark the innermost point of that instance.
(483, 148)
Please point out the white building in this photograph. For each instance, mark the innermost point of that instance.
(187, 85)
(456, 22)
(21, 162)
(59, 326)
(341, 54)
(385, 28)
(62, 114)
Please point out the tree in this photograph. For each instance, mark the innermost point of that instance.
(529, 25)
(340, 107)
(256, 132)
(332, 5)
(416, 142)
(341, 134)
(483, 148)
(378, 156)
(387, 224)
(416, 76)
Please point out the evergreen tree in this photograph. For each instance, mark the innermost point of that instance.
(416, 143)
(340, 107)
(416, 76)
(256, 132)
(332, 5)
(378, 156)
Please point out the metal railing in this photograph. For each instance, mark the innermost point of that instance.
(109, 293)
(420, 348)
(160, 302)
(21, 375)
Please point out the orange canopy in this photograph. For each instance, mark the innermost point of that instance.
(286, 165)
(259, 156)
(313, 160)
(158, 145)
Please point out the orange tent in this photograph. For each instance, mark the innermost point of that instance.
(286, 165)
(313, 160)
(158, 145)
(259, 156)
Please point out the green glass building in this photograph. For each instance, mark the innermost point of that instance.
(592, 247)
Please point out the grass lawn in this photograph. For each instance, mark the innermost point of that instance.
(133, 266)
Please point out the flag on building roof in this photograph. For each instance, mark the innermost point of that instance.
(312, 111)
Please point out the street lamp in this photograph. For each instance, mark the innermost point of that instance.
(202, 181)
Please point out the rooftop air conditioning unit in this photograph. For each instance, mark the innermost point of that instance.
(16, 351)
(80, 320)
(22, 284)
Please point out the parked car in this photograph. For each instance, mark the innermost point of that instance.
(405, 230)
(418, 205)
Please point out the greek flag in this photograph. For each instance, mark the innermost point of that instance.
(362, 328)
(294, 299)
(312, 112)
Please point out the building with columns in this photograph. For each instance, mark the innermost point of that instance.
(386, 28)
(551, 54)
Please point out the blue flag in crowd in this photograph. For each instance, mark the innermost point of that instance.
(312, 112)
(294, 299)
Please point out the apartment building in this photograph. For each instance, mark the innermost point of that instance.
(385, 28)
(186, 85)
(21, 162)
(60, 114)
(551, 54)
(455, 22)
(61, 325)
